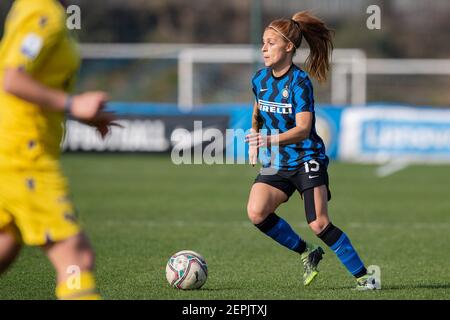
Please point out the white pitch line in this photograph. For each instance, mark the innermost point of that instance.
(245, 224)
(390, 168)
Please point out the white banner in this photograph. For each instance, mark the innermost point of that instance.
(384, 134)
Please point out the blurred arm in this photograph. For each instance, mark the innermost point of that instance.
(20, 84)
(85, 107)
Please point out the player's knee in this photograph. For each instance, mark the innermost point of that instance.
(87, 260)
(318, 225)
(256, 213)
(83, 258)
(84, 253)
(79, 252)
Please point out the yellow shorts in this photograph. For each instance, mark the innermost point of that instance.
(38, 204)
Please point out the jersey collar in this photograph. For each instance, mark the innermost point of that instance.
(283, 75)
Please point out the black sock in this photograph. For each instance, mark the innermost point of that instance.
(330, 234)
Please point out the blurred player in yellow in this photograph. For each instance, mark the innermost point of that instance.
(38, 64)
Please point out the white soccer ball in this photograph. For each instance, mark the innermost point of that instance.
(186, 270)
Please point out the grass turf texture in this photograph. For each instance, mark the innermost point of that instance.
(138, 210)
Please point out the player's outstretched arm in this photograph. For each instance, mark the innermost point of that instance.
(86, 107)
(20, 84)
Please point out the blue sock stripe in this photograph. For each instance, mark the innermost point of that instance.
(284, 235)
(338, 242)
(347, 254)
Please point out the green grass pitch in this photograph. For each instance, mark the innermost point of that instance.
(138, 210)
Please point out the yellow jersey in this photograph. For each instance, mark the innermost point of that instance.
(36, 40)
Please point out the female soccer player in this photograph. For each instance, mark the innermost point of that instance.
(284, 101)
(38, 63)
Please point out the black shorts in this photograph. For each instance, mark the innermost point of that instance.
(299, 179)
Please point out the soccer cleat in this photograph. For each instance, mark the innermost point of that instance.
(366, 282)
(310, 258)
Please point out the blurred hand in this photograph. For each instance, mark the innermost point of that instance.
(253, 155)
(255, 139)
(86, 107)
(253, 148)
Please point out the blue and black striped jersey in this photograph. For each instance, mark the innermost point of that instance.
(279, 100)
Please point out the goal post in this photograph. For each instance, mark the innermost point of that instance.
(344, 62)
